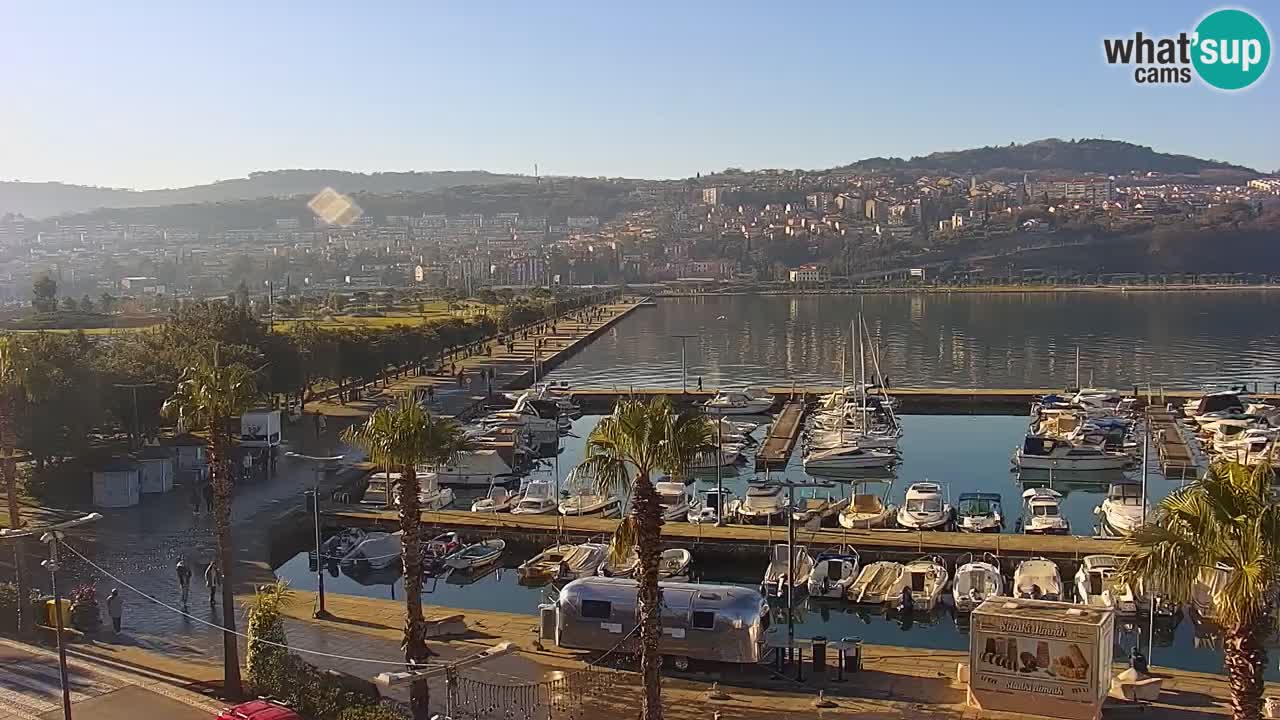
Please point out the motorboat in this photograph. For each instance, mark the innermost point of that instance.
(542, 425)
(1098, 584)
(820, 461)
(708, 507)
(787, 570)
(1037, 579)
(622, 567)
(674, 499)
(378, 489)
(1046, 453)
(882, 438)
(672, 564)
(1042, 512)
(727, 455)
(1223, 400)
(339, 545)
(384, 485)
(867, 510)
(433, 497)
(925, 508)
(438, 549)
(1122, 511)
(590, 504)
(498, 500)
(751, 401)
(377, 550)
(477, 555)
(479, 468)
(1209, 583)
(539, 499)
(763, 504)
(925, 579)
(976, 581)
(833, 573)
(875, 583)
(563, 562)
(979, 512)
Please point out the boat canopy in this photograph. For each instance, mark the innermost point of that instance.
(979, 503)
(1039, 445)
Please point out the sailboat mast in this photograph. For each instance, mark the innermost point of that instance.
(862, 375)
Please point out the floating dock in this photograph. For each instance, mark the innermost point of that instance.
(776, 449)
(746, 539)
(1177, 461)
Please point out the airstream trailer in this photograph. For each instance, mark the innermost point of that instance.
(721, 623)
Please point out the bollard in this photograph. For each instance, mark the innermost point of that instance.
(853, 654)
(819, 654)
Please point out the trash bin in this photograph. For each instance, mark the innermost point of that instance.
(819, 654)
(50, 610)
(852, 654)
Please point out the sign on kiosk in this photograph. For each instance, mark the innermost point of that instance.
(1040, 658)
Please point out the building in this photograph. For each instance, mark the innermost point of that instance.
(808, 273)
(819, 201)
(586, 222)
(712, 196)
(288, 223)
(877, 209)
(1269, 185)
(1090, 189)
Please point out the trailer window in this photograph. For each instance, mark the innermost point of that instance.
(596, 609)
(703, 620)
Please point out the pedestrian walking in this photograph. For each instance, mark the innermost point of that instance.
(115, 608)
(208, 496)
(324, 425)
(184, 579)
(699, 383)
(431, 394)
(212, 576)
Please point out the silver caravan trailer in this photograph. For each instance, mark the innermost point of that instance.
(722, 623)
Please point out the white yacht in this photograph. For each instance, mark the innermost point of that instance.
(977, 580)
(525, 415)
(847, 457)
(875, 583)
(833, 573)
(925, 578)
(1098, 584)
(430, 495)
(499, 499)
(1037, 579)
(707, 508)
(539, 499)
(925, 508)
(1042, 512)
(1214, 402)
(751, 401)
(979, 512)
(1208, 585)
(1122, 511)
(674, 498)
(377, 550)
(763, 504)
(1045, 453)
(882, 438)
(787, 570)
(480, 468)
(727, 455)
(588, 503)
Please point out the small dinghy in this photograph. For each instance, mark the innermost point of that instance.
(833, 574)
(477, 555)
(786, 571)
(976, 581)
(1037, 579)
(875, 583)
(924, 579)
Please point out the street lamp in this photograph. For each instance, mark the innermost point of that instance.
(320, 463)
(684, 365)
(52, 535)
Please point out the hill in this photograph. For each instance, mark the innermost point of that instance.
(38, 200)
(1054, 156)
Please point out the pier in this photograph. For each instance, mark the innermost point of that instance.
(1176, 458)
(775, 451)
(738, 540)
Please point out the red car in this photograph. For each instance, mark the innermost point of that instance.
(259, 710)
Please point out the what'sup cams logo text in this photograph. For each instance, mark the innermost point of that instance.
(1228, 50)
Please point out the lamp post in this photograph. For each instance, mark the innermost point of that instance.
(52, 535)
(320, 461)
(684, 365)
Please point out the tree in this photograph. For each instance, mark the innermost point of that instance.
(107, 303)
(401, 437)
(206, 398)
(12, 394)
(242, 294)
(44, 294)
(623, 452)
(265, 655)
(1227, 520)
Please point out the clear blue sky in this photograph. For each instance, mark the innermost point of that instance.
(161, 94)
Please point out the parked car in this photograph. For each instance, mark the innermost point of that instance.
(260, 709)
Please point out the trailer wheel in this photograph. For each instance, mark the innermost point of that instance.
(679, 662)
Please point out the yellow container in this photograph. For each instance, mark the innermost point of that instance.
(50, 610)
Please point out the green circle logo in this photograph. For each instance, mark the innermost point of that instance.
(1232, 49)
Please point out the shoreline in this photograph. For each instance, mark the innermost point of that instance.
(987, 289)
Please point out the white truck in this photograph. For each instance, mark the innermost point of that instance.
(260, 428)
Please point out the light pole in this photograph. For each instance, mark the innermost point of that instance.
(133, 387)
(684, 365)
(320, 462)
(52, 535)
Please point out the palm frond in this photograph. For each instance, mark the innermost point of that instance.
(623, 542)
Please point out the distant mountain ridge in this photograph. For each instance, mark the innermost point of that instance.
(1087, 155)
(38, 200)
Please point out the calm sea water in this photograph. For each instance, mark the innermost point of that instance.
(993, 340)
(965, 453)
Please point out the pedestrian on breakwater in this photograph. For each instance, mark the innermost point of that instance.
(212, 576)
(699, 383)
(115, 608)
(184, 579)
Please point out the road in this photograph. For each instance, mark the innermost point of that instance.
(30, 689)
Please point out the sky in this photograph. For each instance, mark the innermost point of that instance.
(168, 94)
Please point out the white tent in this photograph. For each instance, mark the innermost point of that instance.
(116, 486)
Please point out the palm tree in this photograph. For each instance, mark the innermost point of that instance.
(623, 452)
(206, 398)
(400, 437)
(1227, 519)
(13, 394)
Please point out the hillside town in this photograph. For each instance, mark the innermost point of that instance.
(782, 226)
